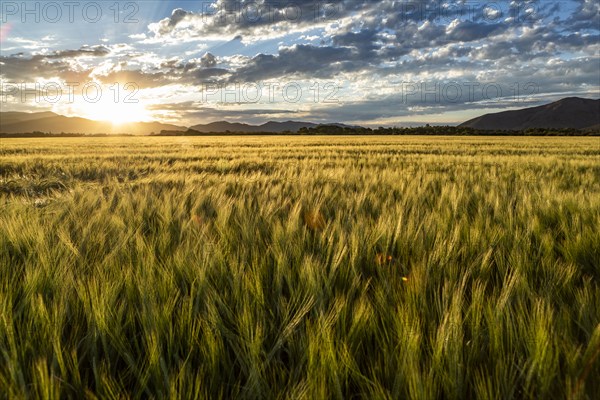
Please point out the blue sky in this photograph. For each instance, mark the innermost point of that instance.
(365, 62)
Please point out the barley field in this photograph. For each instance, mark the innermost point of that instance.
(300, 268)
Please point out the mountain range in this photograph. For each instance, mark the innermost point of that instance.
(569, 113)
(49, 122)
(268, 127)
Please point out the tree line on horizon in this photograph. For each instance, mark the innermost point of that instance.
(445, 130)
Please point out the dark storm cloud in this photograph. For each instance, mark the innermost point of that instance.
(140, 79)
(85, 51)
(254, 20)
(468, 31)
(236, 17)
(208, 61)
(206, 75)
(537, 42)
(248, 17)
(300, 61)
(364, 41)
(196, 112)
(19, 67)
(585, 16)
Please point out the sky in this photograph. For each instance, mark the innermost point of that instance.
(373, 63)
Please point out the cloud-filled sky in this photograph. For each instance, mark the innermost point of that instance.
(388, 62)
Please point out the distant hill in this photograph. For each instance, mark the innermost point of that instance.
(268, 127)
(568, 113)
(49, 122)
(13, 117)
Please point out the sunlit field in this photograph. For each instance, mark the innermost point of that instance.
(300, 267)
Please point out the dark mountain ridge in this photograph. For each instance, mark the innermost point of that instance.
(49, 122)
(568, 113)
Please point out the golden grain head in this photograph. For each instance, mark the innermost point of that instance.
(383, 259)
(314, 220)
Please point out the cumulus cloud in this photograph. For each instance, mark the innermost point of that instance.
(208, 61)
(168, 24)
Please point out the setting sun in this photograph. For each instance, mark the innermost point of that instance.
(116, 112)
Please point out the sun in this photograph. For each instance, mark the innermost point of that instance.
(116, 112)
